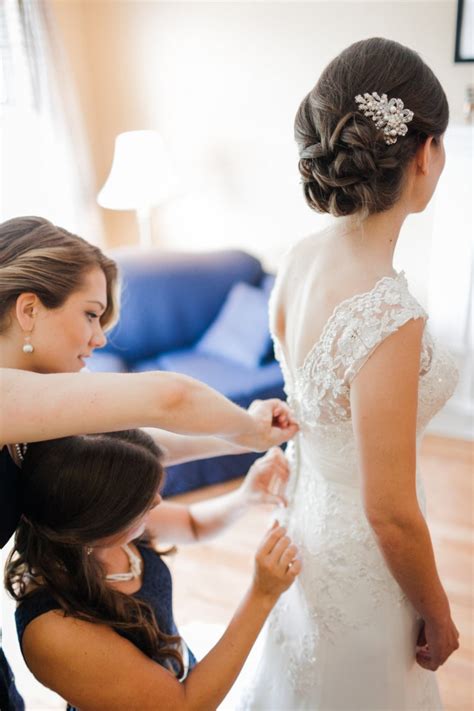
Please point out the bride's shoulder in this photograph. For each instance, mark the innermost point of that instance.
(300, 254)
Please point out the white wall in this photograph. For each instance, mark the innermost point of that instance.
(222, 82)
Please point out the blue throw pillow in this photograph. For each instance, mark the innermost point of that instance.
(267, 284)
(240, 331)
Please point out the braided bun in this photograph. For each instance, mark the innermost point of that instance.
(345, 164)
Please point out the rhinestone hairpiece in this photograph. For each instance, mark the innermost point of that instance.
(391, 115)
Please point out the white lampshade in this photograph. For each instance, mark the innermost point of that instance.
(140, 176)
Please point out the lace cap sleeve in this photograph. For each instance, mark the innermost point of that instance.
(372, 318)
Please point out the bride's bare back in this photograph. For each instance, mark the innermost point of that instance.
(315, 278)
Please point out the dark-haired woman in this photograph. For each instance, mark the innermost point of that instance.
(95, 618)
(58, 296)
(368, 621)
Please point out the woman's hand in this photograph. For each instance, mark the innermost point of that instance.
(281, 413)
(264, 483)
(276, 564)
(266, 479)
(274, 422)
(436, 642)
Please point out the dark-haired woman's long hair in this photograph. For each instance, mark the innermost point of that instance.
(78, 490)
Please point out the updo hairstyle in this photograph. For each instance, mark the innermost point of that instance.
(345, 164)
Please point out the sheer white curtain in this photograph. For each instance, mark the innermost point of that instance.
(452, 273)
(44, 155)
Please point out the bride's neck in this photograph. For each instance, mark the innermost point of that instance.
(375, 237)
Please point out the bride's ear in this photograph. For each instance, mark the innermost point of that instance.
(424, 156)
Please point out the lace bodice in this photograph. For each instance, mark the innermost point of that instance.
(343, 636)
(319, 390)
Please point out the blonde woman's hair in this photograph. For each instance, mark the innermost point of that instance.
(39, 257)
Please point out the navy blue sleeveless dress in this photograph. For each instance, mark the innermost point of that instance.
(10, 512)
(10, 497)
(156, 590)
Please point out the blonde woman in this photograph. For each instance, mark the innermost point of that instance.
(57, 298)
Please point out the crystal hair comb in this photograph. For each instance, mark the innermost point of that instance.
(391, 116)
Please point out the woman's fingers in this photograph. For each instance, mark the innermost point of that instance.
(294, 568)
(269, 476)
(277, 458)
(278, 548)
(274, 499)
(279, 555)
(283, 556)
(282, 410)
(279, 479)
(264, 412)
(279, 435)
(271, 538)
(426, 662)
(282, 415)
(288, 556)
(276, 564)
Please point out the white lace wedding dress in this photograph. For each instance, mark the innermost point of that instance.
(343, 637)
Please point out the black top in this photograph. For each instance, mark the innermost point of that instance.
(10, 699)
(156, 590)
(10, 512)
(10, 499)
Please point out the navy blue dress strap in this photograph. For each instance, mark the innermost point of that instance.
(10, 497)
(40, 602)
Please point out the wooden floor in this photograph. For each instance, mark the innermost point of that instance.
(209, 579)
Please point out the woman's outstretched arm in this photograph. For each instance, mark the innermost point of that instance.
(264, 483)
(36, 407)
(384, 398)
(98, 670)
(178, 449)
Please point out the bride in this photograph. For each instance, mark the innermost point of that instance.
(369, 621)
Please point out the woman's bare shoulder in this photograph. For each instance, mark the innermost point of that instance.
(66, 635)
(83, 662)
(310, 244)
(299, 259)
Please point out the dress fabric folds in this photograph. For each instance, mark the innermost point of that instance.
(343, 637)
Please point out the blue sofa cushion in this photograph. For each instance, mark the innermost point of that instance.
(169, 299)
(233, 380)
(240, 332)
(267, 284)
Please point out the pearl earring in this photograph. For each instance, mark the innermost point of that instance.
(27, 346)
(89, 550)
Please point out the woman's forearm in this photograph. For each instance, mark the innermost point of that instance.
(207, 412)
(178, 449)
(408, 551)
(210, 517)
(213, 677)
(37, 406)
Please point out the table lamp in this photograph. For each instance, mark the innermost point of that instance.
(139, 178)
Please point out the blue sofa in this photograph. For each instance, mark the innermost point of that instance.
(204, 315)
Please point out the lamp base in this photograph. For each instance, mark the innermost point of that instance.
(144, 227)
